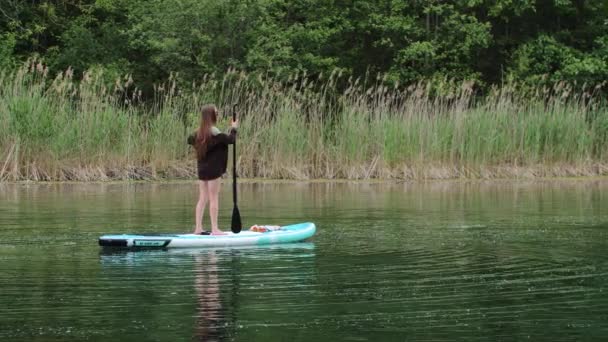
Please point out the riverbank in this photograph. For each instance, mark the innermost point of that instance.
(497, 174)
(82, 130)
(406, 173)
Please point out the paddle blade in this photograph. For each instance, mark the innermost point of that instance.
(236, 224)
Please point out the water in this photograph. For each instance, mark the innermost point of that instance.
(390, 262)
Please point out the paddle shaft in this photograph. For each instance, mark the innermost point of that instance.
(234, 192)
(236, 224)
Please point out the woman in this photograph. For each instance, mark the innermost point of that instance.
(212, 158)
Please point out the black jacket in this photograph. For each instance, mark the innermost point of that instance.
(214, 164)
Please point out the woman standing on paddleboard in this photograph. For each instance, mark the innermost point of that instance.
(212, 158)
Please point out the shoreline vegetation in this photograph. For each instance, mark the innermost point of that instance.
(336, 181)
(330, 127)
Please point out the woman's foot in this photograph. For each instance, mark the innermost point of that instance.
(218, 232)
(199, 231)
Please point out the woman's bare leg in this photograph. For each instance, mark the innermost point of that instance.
(203, 196)
(214, 190)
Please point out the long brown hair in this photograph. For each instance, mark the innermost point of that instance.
(203, 135)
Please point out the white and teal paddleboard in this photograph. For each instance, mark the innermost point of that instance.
(285, 234)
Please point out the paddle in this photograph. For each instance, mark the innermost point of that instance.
(236, 224)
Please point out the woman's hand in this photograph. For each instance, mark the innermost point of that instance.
(234, 124)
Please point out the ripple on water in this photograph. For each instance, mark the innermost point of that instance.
(422, 264)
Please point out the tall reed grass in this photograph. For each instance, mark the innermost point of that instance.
(84, 129)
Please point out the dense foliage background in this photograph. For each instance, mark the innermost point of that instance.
(486, 40)
(418, 89)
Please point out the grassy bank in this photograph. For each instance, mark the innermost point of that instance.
(68, 129)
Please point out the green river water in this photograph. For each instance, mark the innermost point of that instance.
(443, 261)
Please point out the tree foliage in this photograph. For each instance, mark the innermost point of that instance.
(406, 40)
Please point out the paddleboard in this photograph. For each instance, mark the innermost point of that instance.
(257, 235)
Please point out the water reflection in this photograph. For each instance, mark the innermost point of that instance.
(211, 319)
(213, 280)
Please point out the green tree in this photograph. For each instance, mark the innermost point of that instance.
(408, 40)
